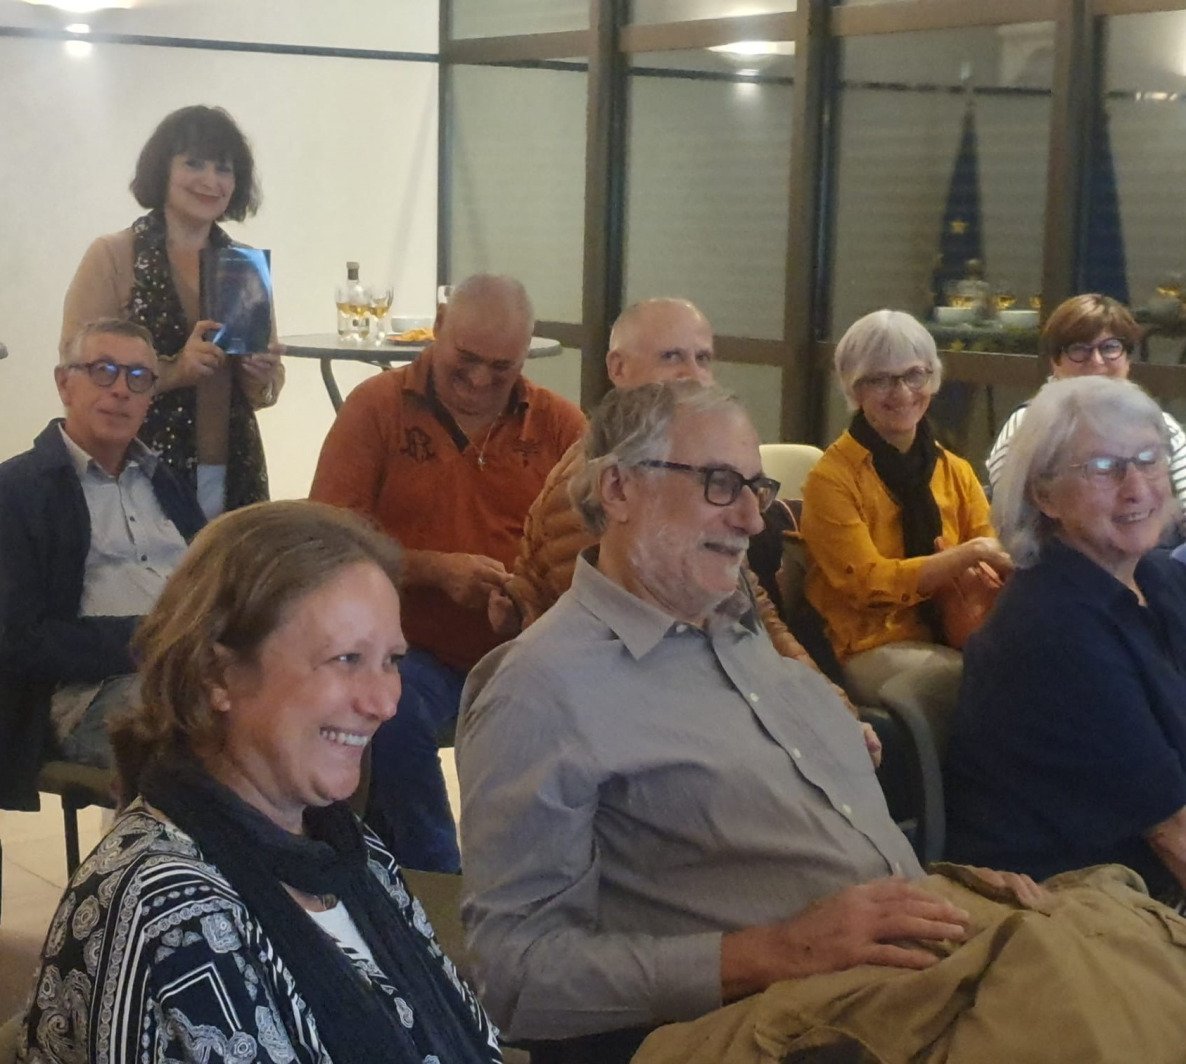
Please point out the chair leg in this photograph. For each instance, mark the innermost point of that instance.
(70, 821)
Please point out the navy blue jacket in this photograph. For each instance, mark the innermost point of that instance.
(1070, 737)
(45, 534)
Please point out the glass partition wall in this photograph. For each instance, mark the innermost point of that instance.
(791, 166)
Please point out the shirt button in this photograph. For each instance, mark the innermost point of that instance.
(897, 868)
(132, 518)
(795, 753)
(681, 628)
(753, 697)
(846, 810)
(144, 557)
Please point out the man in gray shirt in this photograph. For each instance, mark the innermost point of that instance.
(91, 525)
(659, 813)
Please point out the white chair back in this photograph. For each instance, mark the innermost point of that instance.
(789, 464)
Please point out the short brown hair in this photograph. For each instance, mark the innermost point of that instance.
(207, 133)
(105, 327)
(238, 582)
(1080, 319)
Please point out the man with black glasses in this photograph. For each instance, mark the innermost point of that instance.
(652, 798)
(91, 525)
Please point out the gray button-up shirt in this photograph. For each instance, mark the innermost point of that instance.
(134, 546)
(632, 787)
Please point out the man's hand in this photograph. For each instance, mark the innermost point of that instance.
(468, 579)
(503, 614)
(873, 923)
(197, 359)
(1028, 893)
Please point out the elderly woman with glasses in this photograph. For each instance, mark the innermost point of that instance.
(1090, 336)
(1069, 744)
(889, 516)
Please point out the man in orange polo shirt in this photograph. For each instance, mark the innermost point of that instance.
(447, 455)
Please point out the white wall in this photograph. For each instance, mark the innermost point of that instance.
(345, 150)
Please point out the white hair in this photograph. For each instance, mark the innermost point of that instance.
(1059, 413)
(884, 342)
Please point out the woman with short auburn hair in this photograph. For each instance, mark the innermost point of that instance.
(1068, 747)
(1087, 336)
(195, 170)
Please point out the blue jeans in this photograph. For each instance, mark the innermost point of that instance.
(87, 743)
(409, 806)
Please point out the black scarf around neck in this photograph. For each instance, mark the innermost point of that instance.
(258, 857)
(907, 477)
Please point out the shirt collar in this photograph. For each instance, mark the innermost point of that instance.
(641, 626)
(137, 454)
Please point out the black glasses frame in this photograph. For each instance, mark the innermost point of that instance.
(884, 383)
(725, 482)
(1083, 351)
(105, 372)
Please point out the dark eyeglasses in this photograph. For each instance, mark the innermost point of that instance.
(723, 485)
(1109, 349)
(1104, 468)
(105, 373)
(883, 383)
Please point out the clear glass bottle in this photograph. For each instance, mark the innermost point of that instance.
(353, 307)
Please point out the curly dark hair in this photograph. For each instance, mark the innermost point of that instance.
(207, 133)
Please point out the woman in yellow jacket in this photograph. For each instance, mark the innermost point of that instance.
(889, 516)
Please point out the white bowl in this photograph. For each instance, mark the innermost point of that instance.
(954, 315)
(1018, 319)
(404, 324)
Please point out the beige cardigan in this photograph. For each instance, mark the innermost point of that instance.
(101, 288)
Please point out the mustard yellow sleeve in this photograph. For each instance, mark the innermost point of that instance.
(977, 517)
(841, 527)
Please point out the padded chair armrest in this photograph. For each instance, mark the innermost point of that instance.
(922, 784)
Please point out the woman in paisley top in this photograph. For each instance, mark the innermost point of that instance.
(195, 170)
(237, 910)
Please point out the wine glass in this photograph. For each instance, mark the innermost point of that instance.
(1004, 298)
(379, 297)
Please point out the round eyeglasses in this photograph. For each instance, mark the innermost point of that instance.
(722, 485)
(1112, 468)
(883, 383)
(104, 372)
(1109, 349)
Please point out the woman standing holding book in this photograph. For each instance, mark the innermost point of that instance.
(195, 170)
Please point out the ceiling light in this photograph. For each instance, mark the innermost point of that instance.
(78, 27)
(80, 7)
(753, 48)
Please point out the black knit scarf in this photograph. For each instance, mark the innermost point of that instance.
(907, 477)
(258, 858)
(170, 427)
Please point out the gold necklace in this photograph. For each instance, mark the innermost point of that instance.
(489, 433)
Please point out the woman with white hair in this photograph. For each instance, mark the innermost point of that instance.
(1069, 744)
(889, 516)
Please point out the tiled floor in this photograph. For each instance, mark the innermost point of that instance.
(35, 874)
